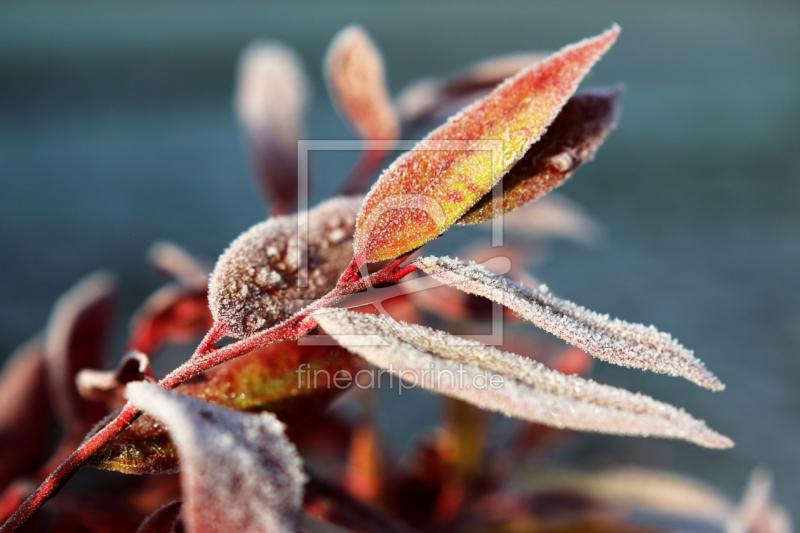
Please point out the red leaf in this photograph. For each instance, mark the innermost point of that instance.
(428, 189)
(571, 140)
(76, 338)
(25, 416)
(173, 314)
(162, 520)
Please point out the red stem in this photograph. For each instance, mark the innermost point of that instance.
(204, 358)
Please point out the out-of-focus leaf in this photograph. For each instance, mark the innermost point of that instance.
(364, 468)
(108, 385)
(632, 489)
(172, 261)
(76, 338)
(758, 512)
(289, 380)
(465, 427)
(553, 216)
(239, 471)
(508, 383)
(329, 502)
(258, 279)
(428, 189)
(271, 97)
(429, 99)
(174, 313)
(615, 341)
(162, 520)
(571, 140)
(356, 80)
(93, 513)
(25, 415)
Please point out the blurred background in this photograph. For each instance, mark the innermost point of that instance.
(116, 129)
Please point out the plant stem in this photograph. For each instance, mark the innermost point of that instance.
(205, 357)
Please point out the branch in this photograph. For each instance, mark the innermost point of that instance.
(204, 358)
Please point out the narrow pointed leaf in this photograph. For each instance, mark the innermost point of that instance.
(239, 471)
(428, 189)
(76, 338)
(356, 80)
(508, 383)
(271, 97)
(291, 381)
(571, 141)
(612, 340)
(162, 520)
(258, 279)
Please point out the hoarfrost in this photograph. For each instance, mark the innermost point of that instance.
(239, 471)
(256, 279)
(612, 340)
(524, 388)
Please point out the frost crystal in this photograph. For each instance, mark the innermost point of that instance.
(256, 280)
(239, 471)
(612, 340)
(509, 383)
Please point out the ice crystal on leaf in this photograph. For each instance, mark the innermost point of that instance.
(428, 189)
(257, 279)
(239, 471)
(612, 340)
(524, 389)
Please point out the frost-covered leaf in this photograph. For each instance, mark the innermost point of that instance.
(356, 80)
(174, 313)
(571, 140)
(271, 96)
(239, 471)
(259, 276)
(162, 520)
(508, 383)
(25, 415)
(429, 99)
(426, 190)
(612, 340)
(76, 338)
(292, 381)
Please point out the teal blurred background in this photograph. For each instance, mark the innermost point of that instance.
(116, 130)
